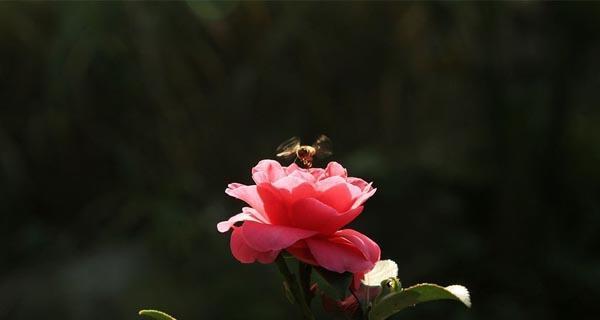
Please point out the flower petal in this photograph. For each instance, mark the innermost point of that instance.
(335, 169)
(293, 188)
(257, 215)
(330, 182)
(364, 197)
(246, 214)
(224, 226)
(275, 206)
(289, 183)
(267, 171)
(303, 174)
(265, 237)
(360, 183)
(338, 197)
(291, 168)
(367, 246)
(312, 214)
(245, 254)
(248, 194)
(338, 256)
(301, 252)
(316, 172)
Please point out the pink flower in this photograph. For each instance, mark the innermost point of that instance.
(302, 211)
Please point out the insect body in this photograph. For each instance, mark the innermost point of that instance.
(305, 154)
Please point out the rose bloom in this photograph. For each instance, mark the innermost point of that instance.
(302, 211)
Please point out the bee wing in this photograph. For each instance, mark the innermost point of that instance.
(288, 147)
(323, 147)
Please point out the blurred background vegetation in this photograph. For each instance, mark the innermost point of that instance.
(122, 123)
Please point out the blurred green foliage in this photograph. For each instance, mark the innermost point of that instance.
(121, 124)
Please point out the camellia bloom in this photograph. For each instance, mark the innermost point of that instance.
(302, 211)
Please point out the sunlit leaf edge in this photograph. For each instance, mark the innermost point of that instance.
(396, 301)
(155, 314)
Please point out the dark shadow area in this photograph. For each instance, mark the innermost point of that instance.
(122, 123)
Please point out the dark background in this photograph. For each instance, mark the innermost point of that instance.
(122, 123)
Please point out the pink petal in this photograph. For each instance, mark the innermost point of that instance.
(305, 190)
(338, 197)
(335, 169)
(316, 172)
(361, 199)
(301, 252)
(291, 168)
(354, 191)
(360, 183)
(256, 214)
(328, 183)
(293, 188)
(368, 247)
(275, 205)
(303, 174)
(224, 226)
(338, 256)
(248, 194)
(312, 214)
(267, 171)
(267, 257)
(248, 214)
(288, 183)
(245, 254)
(234, 185)
(266, 237)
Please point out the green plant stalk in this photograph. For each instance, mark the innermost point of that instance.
(304, 272)
(296, 290)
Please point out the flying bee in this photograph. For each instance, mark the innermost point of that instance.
(305, 154)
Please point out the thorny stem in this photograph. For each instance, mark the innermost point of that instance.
(295, 289)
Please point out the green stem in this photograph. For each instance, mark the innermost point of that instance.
(304, 272)
(292, 283)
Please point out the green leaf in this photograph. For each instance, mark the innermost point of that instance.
(333, 284)
(155, 314)
(393, 302)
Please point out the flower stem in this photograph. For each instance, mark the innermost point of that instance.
(296, 290)
(304, 272)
